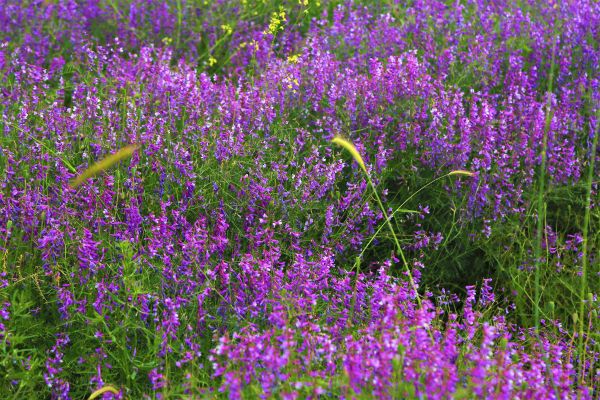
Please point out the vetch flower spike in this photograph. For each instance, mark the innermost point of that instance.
(106, 163)
(346, 144)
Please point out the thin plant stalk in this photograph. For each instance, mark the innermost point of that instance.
(388, 222)
(401, 209)
(586, 224)
(540, 197)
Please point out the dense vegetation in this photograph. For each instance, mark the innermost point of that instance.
(448, 248)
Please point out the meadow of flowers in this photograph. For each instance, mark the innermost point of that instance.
(305, 199)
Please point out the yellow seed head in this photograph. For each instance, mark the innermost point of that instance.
(104, 164)
(340, 141)
(103, 390)
(461, 172)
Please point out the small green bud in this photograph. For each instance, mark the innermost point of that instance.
(551, 307)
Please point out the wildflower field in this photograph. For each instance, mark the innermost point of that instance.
(299, 199)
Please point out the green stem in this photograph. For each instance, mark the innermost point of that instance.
(585, 233)
(401, 209)
(388, 222)
(540, 197)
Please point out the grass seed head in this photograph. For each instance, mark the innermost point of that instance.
(104, 164)
(348, 145)
(105, 389)
(461, 172)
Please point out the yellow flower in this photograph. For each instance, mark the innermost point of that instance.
(227, 29)
(277, 19)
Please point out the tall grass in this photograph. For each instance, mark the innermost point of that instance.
(349, 146)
